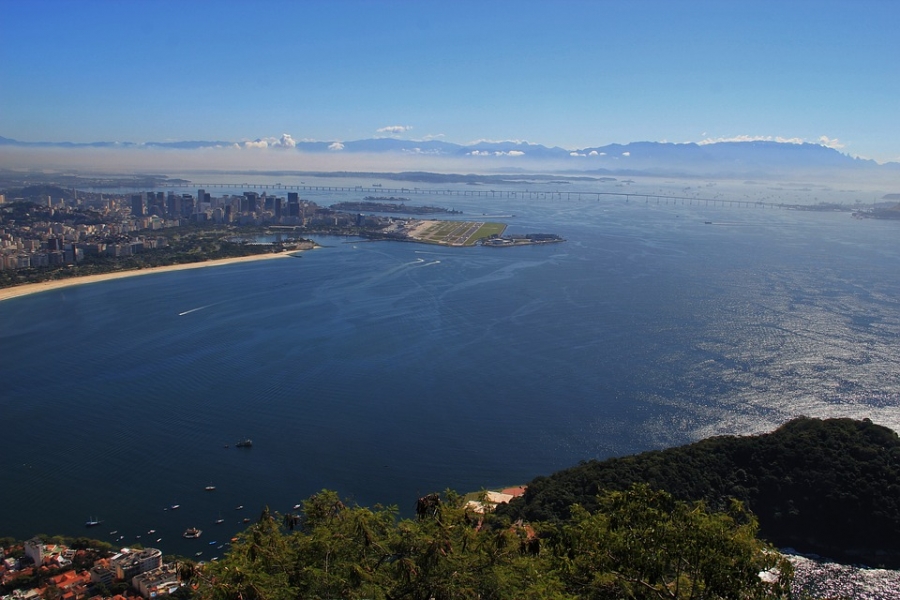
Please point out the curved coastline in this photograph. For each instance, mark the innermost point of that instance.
(46, 286)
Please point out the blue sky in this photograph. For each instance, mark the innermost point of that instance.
(570, 74)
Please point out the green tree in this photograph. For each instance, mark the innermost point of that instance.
(643, 544)
(639, 544)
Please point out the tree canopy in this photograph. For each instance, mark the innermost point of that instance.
(831, 487)
(638, 543)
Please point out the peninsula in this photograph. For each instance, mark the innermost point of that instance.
(55, 237)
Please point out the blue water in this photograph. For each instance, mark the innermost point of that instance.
(389, 370)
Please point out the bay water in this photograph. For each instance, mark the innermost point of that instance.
(387, 370)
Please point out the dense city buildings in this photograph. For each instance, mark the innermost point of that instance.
(37, 570)
(57, 231)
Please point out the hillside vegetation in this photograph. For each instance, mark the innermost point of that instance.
(639, 544)
(830, 487)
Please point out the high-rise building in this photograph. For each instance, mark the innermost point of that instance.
(137, 205)
(187, 205)
(173, 205)
(252, 201)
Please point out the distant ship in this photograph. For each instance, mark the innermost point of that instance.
(248, 443)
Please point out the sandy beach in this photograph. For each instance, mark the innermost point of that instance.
(34, 288)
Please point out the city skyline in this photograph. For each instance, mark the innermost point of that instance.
(572, 75)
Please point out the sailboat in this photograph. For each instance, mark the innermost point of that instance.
(92, 522)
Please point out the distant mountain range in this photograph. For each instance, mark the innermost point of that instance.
(741, 159)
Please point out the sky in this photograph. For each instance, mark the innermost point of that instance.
(565, 73)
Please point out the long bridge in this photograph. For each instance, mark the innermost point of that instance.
(517, 194)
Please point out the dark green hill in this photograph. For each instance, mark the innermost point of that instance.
(830, 487)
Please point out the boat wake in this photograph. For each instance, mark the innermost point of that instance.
(187, 312)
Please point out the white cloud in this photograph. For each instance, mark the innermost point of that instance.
(394, 129)
(431, 136)
(418, 150)
(830, 143)
(823, 140)
(286, 141)
(336, 146)
(496, 153)
(573, 153)
(595, 153)
(752, 138)
(626, 154)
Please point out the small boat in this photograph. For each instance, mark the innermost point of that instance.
(158, 540)
(151, 531)
(239, 507)
(210, 488)
(219, 521)
(213, 543)
(247, 443)
(191, 533)
(92, 522)
(198, 553)
(246, 520)
(114, 532)
(298, 506)
(175, 507)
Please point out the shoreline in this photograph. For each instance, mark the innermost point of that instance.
(46, 286)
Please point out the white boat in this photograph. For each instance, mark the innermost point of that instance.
(191, 533)
(92, 522)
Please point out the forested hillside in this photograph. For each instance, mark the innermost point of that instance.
(826, 486)
(639, 544)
